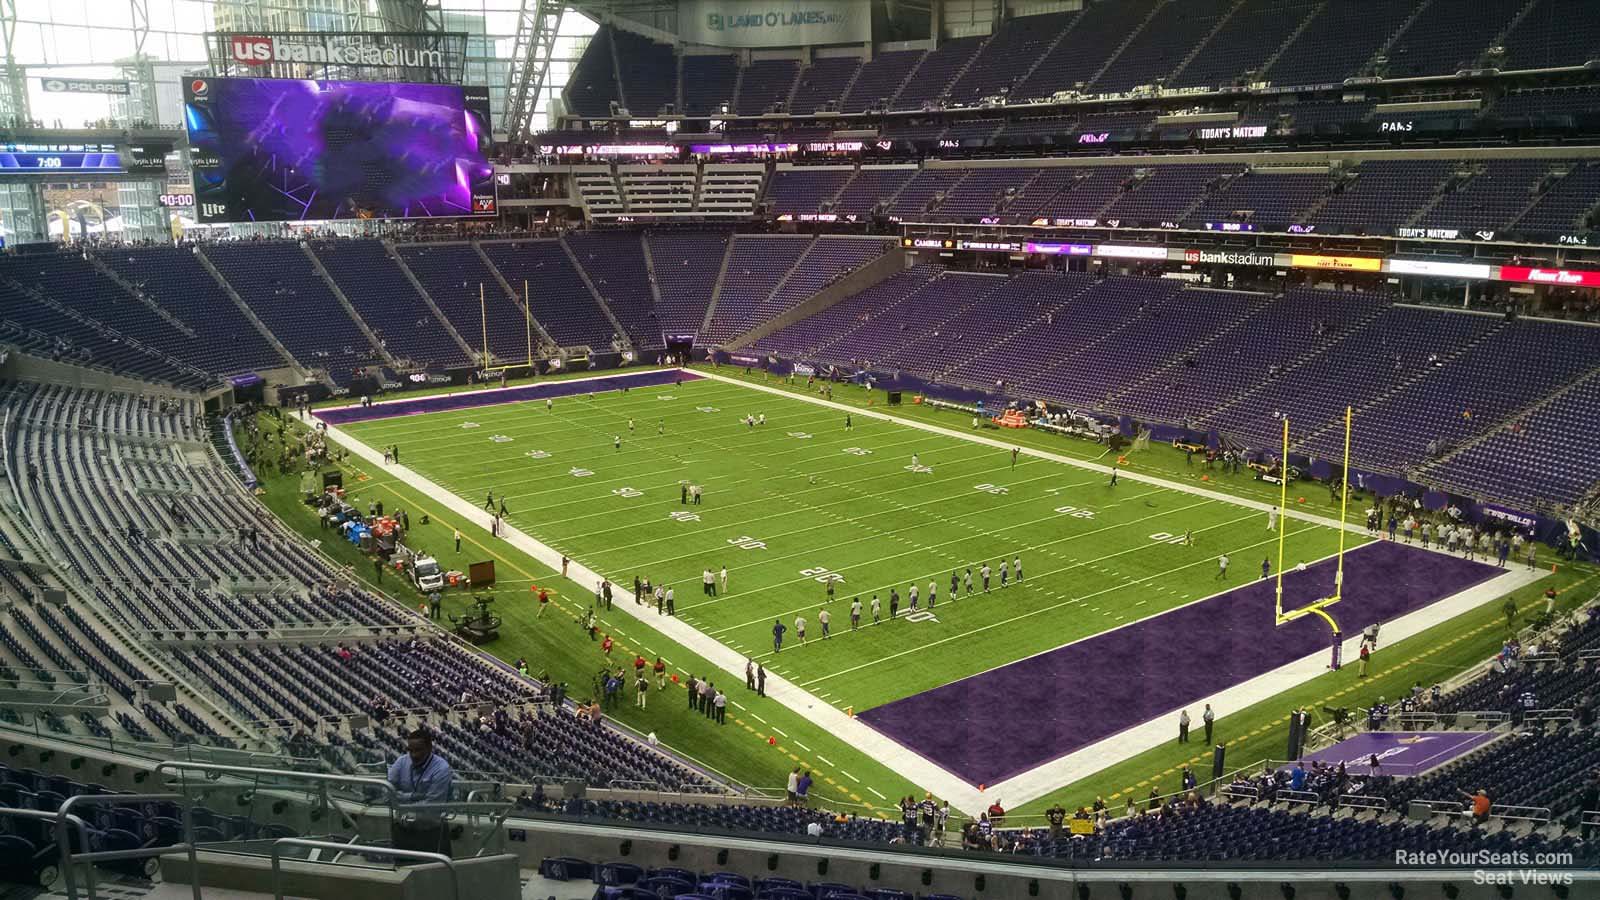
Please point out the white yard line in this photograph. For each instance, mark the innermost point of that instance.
(1122, 474)
(1047, 609)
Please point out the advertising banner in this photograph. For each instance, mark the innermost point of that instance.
(84, 86)
(1130, 251)
(1340, 263)
(1226, 257)
(1561, 277)
(736, 23)
(1474, 271)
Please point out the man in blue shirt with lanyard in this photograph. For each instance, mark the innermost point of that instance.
(420, 776)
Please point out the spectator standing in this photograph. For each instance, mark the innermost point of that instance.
(420, 776)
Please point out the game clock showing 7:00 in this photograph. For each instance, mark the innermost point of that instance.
(48, 159)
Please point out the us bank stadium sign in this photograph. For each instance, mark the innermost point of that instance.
(438, 57)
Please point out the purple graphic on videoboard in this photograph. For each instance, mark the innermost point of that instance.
(276, 149)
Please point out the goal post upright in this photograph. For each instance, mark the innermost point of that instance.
(1344, 507)
(483, 322)
(1318, 607)
(1283, 509)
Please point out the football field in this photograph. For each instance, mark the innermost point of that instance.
(805, 501)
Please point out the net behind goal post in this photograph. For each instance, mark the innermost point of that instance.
(1319, 606)
(1142, 440)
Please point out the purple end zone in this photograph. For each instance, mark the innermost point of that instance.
(1401, 752)
(1000, 723)
(471, 399)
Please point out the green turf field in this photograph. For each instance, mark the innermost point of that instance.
(764, 739)
(801, 502)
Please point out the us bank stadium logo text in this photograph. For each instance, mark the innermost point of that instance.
(774, 19)
(258, 50)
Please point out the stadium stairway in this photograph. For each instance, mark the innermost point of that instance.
(139, 295)
(1527, 412)
(717, 288)
(350, 308)
(516, 296)
(250, 315)
(599, 299)
(422, 292)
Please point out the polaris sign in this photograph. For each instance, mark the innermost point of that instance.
(732, 23)
(84, 86)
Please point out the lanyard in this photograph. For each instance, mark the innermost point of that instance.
(415, 775)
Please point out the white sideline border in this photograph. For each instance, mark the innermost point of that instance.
(890, 753)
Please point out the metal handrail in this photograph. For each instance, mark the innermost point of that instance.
(63, 817)
(277, 860)
(319, 782)
(1293, 796)
(1520, 813)
(324, 777)
(1510, 812)
(1362, 801)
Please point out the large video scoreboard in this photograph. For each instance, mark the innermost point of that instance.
(268, 150)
